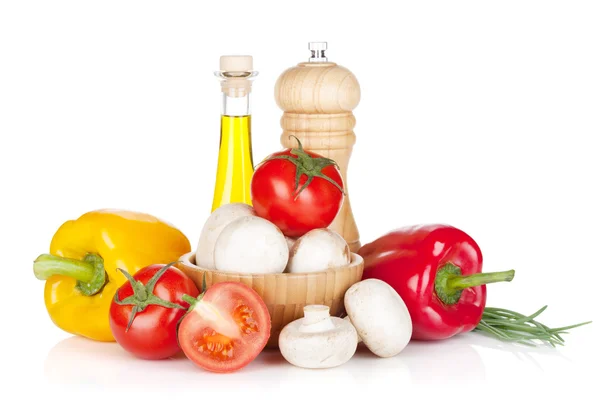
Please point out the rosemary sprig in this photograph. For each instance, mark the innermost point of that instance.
(512, 326)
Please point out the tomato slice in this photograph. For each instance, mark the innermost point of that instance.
(226, 329)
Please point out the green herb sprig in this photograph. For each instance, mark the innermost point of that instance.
(511, 326)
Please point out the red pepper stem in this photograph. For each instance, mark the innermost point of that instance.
(449, 281)
(466, 281)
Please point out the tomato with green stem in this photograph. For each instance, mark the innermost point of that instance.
(145, 311)
(297, 190)
(225, 328)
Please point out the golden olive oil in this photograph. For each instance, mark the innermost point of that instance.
(235, 165)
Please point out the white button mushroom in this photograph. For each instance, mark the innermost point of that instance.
(379, 315)
(318, 250)
(318, 340)
(214, 225)
(251, 245)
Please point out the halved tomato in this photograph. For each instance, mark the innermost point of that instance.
(226, 329)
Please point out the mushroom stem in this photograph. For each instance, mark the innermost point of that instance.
(316, 319)
(318, 340)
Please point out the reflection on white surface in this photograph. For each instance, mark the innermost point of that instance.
(78, 362)
(450, 361)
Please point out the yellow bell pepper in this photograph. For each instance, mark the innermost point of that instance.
(81, 270)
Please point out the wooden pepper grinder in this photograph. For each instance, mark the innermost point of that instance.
(317, 98)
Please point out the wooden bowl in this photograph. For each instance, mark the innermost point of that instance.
(286, 294)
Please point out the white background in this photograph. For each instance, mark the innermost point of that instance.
(483, 115)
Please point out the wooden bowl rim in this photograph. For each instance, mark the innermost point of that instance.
(189, 260)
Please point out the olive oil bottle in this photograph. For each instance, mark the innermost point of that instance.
(235, 164)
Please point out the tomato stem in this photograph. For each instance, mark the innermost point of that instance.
(189, 299)
(143, 295)
(192, 301)
(309, 166)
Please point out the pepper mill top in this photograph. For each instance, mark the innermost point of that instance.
(317, 86)
(317, 97)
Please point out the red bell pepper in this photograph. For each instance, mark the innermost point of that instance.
(436, 270)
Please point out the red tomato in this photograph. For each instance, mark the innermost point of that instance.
(226, 329)
(153, 332)
(275, 196)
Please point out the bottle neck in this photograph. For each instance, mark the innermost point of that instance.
(236, 106)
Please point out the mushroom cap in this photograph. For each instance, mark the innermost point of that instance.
(214, 225)
(379, 315)
(320, 349)
(251, 245)
(318, 250)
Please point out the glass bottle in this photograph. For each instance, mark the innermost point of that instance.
(235, 164)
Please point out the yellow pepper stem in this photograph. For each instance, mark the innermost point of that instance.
(89, 272)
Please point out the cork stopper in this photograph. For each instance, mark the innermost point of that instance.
(235, 64)
(235, 73)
